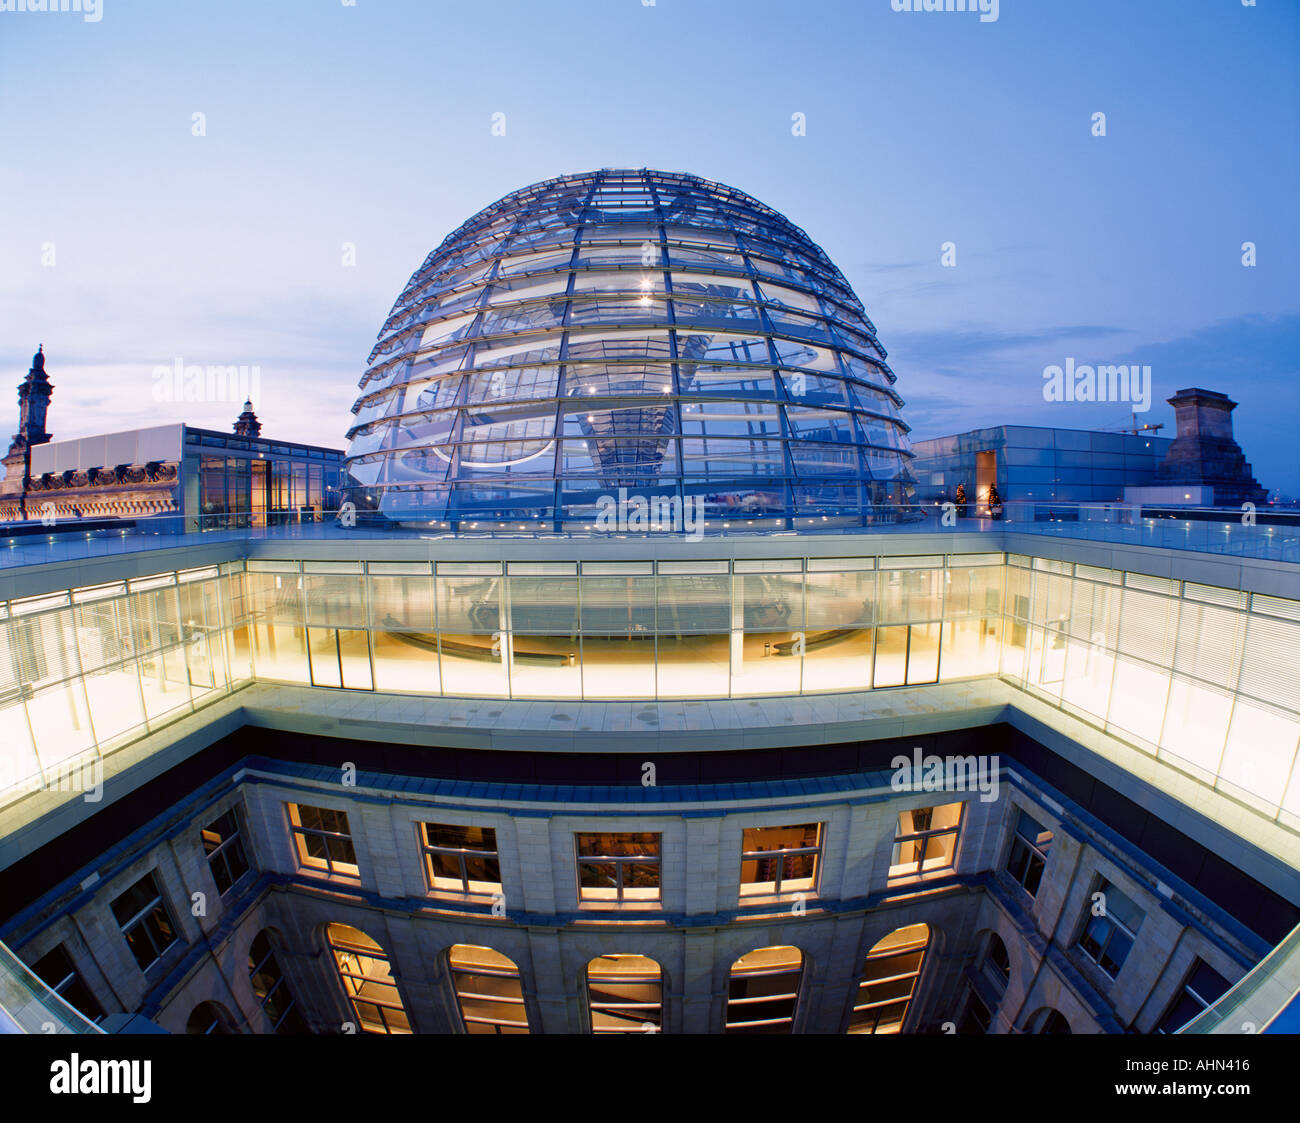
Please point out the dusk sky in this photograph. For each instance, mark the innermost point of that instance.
(128, 242)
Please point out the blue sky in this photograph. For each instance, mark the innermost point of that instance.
(371, 124)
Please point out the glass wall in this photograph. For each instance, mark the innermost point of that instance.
(87, 670)
(1197, 675)
(1032, 463)
(626, 630)
(241, 488)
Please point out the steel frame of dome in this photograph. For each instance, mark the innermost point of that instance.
(645, 335)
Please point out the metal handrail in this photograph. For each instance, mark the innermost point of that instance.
(1271, 533)
(28, 1005)
(1256, 1000)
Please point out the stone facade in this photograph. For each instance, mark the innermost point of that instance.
(106, 491)
(695, 933)
(123, 491)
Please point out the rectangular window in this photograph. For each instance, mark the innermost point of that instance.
(780, 859)
(1107, 938)
(1204, 987)
(461, 859)
(1029, 853)
(225, 852)
(926, 840)
(323, 839)
(618, 867)
(143, 918)
(55, 969)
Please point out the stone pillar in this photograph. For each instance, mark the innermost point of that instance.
(1204, 452)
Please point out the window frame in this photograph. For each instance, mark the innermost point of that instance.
(587, 893)
(139, 920)
(219, 1025)
(72, 980)
(310, 862)
(353, 995)
(454, 973)
(428, 850)
(255, 969)
(1001, 978)
(627, 979)
(925, 837)
(976, 1013)
(780, 854)
(1105, 886)
(234, 841)
(794, 997)
(1186, 991)
(1052, 1022)
(1021, 842)
(873, 1009)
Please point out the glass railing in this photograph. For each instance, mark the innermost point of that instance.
(1271, 533)
(1260, 999)
(27, 1005)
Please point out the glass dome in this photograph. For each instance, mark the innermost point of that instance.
(629, 351)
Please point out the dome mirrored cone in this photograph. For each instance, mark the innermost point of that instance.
(621, 350)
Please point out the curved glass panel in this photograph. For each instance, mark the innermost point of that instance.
(706, 339)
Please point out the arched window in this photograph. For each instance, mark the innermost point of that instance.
(625, 994)
(1048, 1020)
(998, 961)
(210, 1017)
(367, 978)
(764, 990)
(977, 1017)
(488, 990)
(268, 982)
(889, 980)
